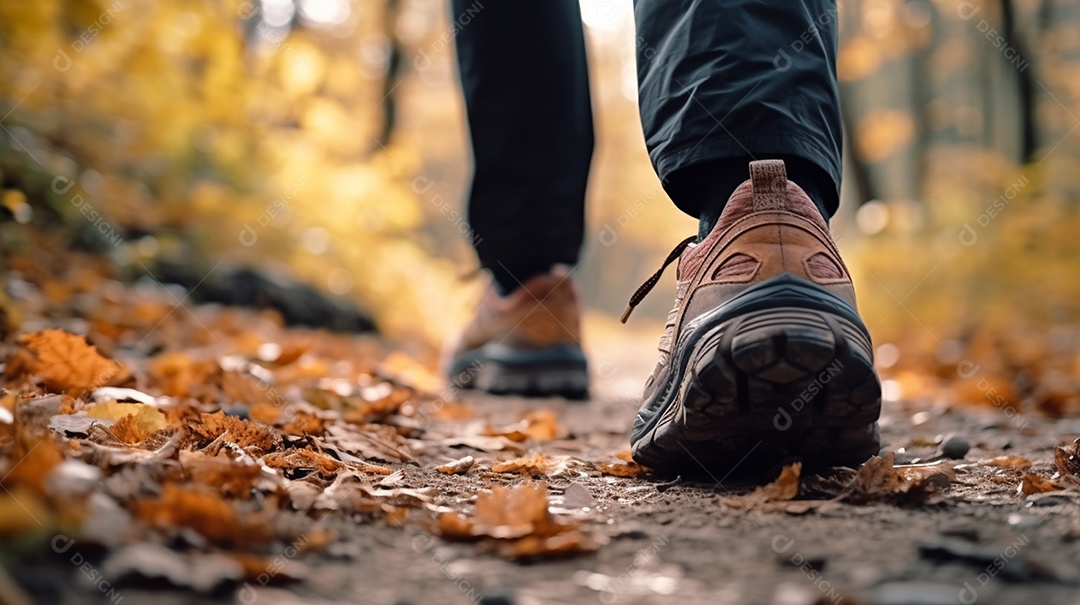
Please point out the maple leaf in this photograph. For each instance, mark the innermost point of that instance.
(66, 362)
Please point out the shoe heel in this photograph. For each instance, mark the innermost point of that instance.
(560, 371)
(801, 380)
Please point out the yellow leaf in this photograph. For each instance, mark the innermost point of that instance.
(147, 419)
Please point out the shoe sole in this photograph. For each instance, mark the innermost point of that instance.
(760, 385)
(559, 371)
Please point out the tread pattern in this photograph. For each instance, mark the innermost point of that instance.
(767, 386)
(555, 372)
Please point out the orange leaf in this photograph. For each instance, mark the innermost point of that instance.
(1034, 484)
(66, 362)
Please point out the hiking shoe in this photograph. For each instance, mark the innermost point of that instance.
(764, 358)
(525, 343)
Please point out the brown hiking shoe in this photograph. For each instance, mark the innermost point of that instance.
(525, 343)
(764, 358)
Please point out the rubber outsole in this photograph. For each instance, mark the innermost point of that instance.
(560, 371)
(759, 387)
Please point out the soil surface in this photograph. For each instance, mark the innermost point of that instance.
(682, 541)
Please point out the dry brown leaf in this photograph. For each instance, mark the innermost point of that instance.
(36, 458)
(302, 462)
(66, 362)
(241, 432)
(303, 423)
(379, 408)
(1034, 484)
(535, 465)
(239, 387)
(630, 469)
(517, 523)
(203, 511)
(878, 479)
(347, 493)
(539, 425)
(938, 475)
(482, 443)
(1014, 462)
(230, 477)
(370, 441)
(783, 489)
(177, 374)
(1067, 460)
(127, 430)
(264, 412)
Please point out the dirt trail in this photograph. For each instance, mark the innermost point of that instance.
(682, 542)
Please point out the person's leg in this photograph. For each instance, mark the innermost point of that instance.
(724, 83)
(526, 86)
(764, 357)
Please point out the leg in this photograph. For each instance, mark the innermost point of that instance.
(741, 80)
(526, 86)
(765, 357)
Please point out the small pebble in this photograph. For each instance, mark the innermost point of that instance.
(955, 447)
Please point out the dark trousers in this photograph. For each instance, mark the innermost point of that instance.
(720, 83)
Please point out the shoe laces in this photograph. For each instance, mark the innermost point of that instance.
(650, 283)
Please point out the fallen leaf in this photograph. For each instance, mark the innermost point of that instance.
(244, 433)
(148, 420)
(203, 510)
(1034, 484)
(538, 425)
(302, 462)
(535, 465)
(938, 474)
(515, 521)
(66, 362)
(457, 467)
(878, 479)
(1015, 462)
(127, 430)
(1067, 460)
(483, 444)
(158, 448)
(783, 488)
(375, 442)
(303, 423)
(347, 493)
(233, 478)
(629, 469)
(177, 374)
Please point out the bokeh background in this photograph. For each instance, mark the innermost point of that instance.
(324, 140)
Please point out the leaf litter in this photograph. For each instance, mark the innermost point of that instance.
(238, 444)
